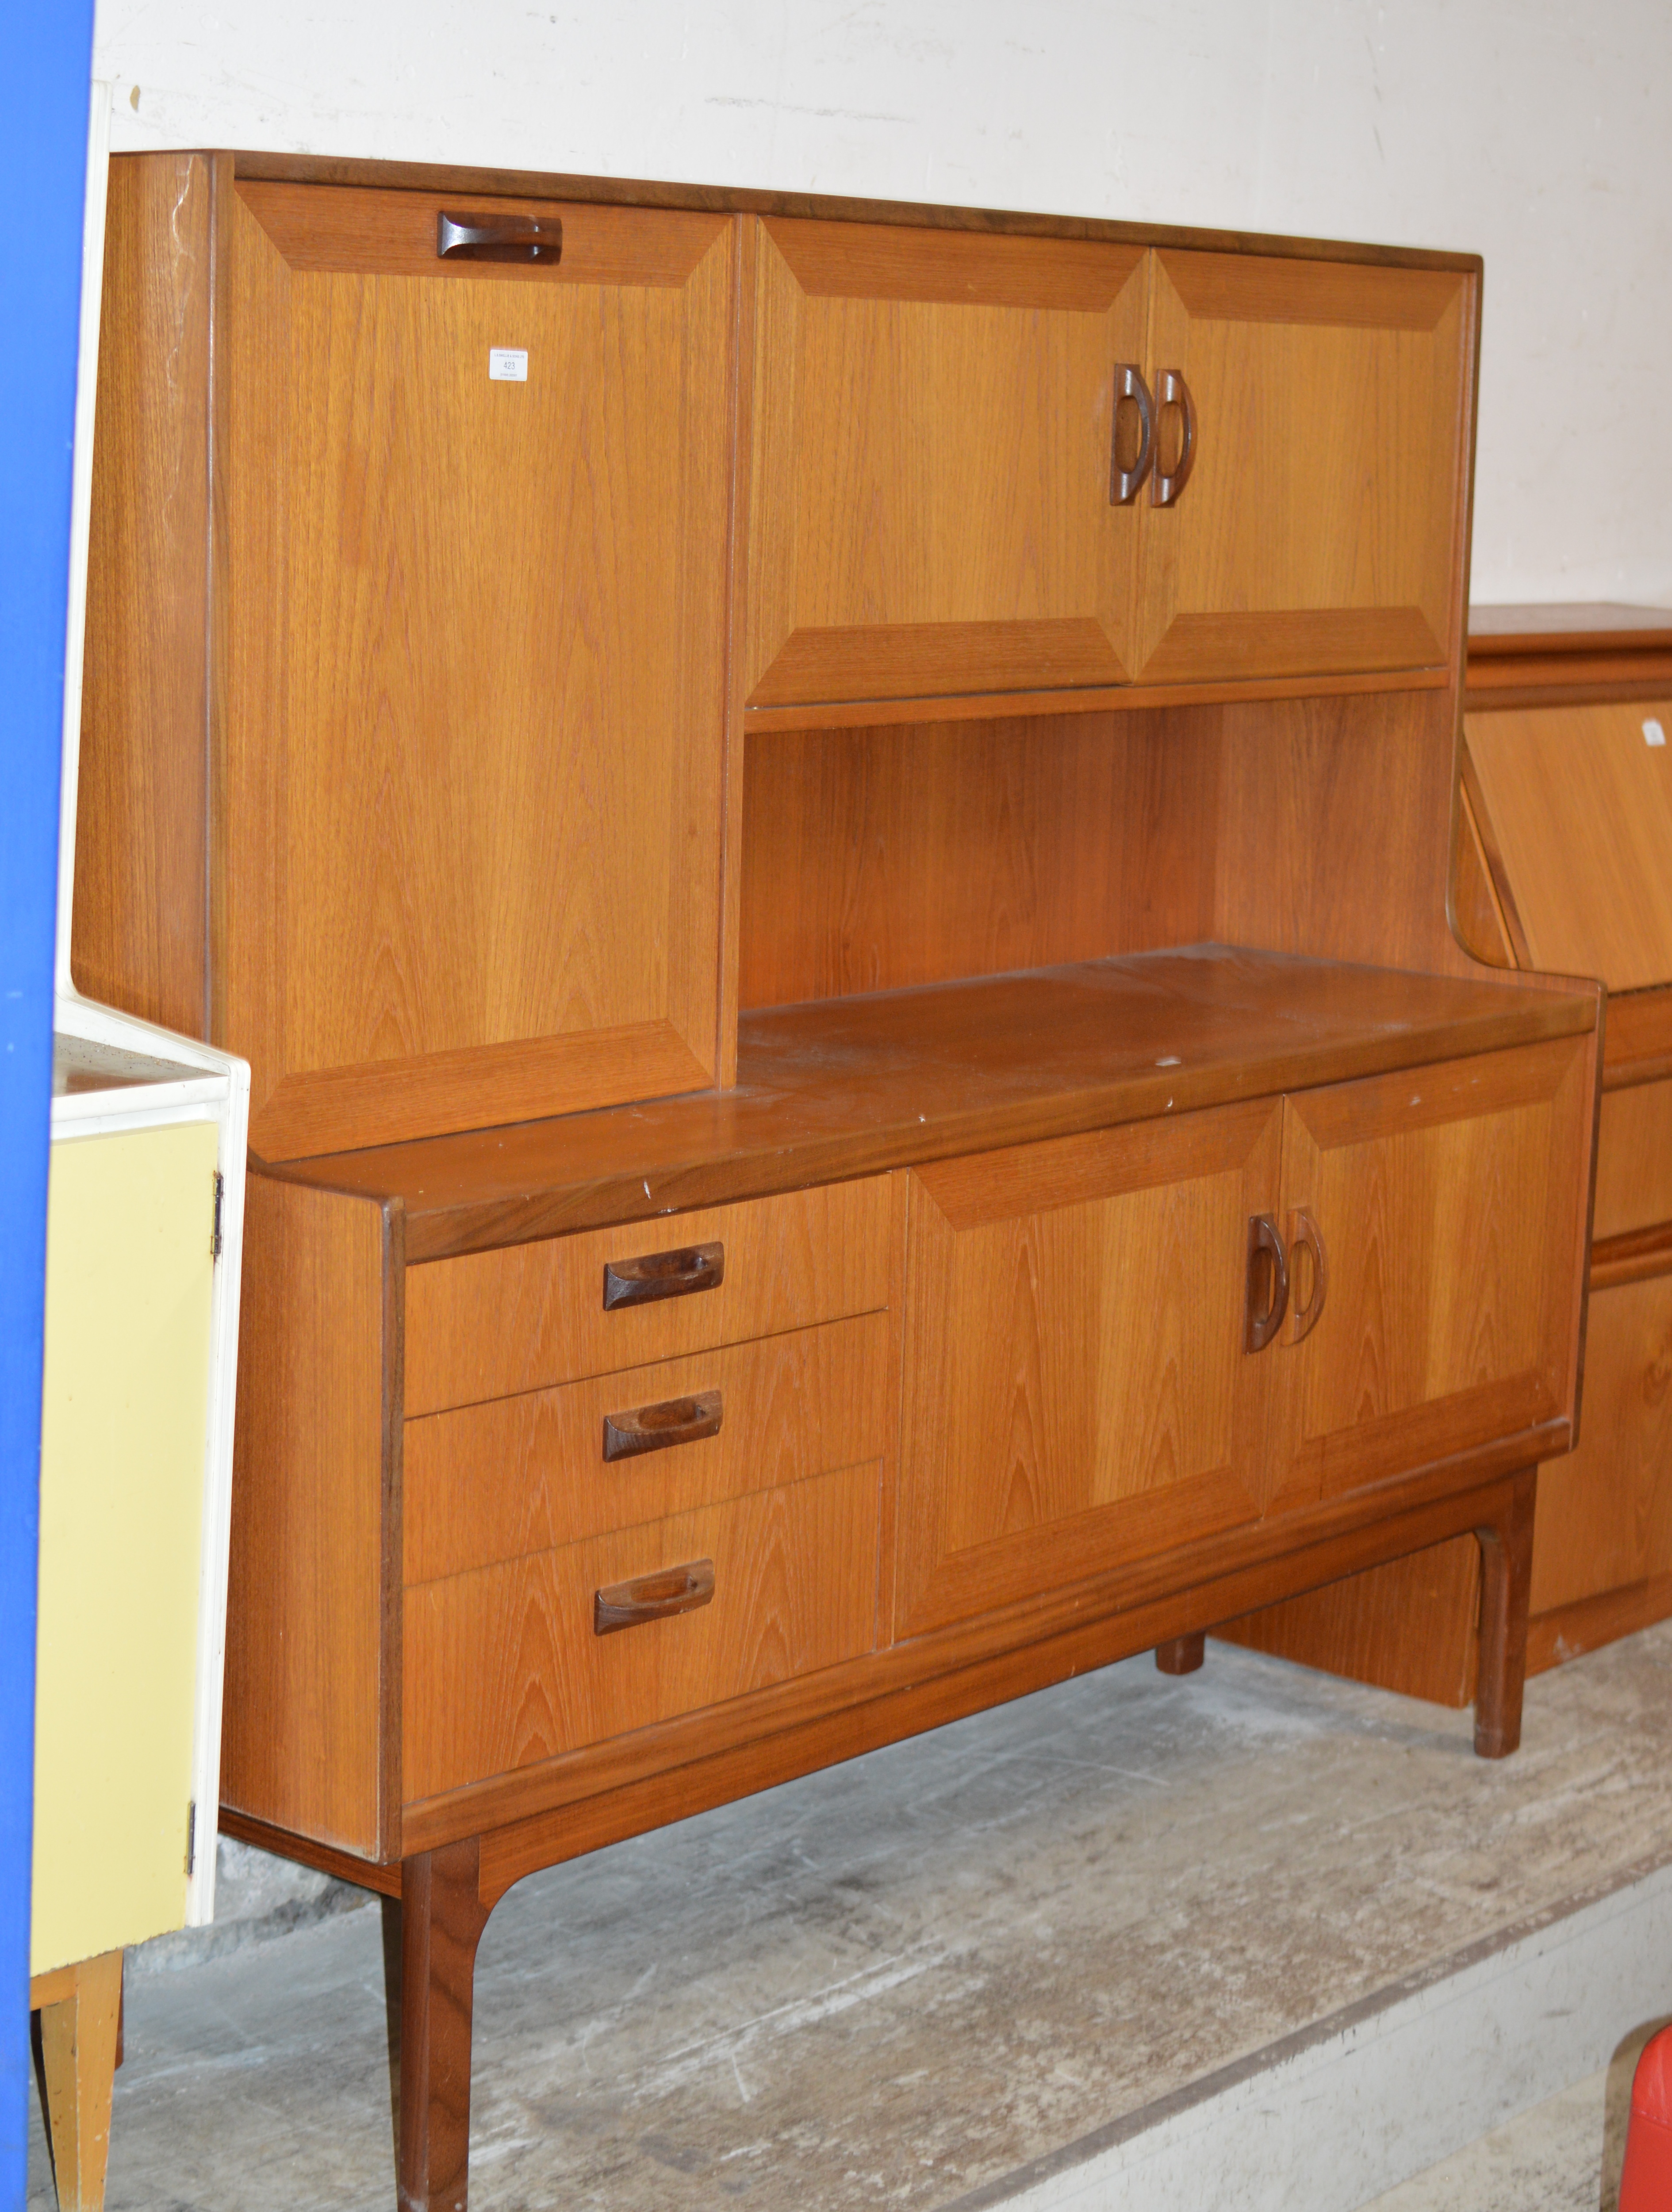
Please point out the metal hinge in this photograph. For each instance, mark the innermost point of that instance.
(192, 1827)
(215, 1233)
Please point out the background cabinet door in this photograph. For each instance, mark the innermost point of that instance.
(930, 507)
(472, 688)
(1077, 1392)
(1316, 530)
(1450, 1200)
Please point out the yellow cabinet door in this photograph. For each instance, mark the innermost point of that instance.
(123, 1422)
(1078, 1389)
(473, 617)
(1447, 1203)
(1315, 528)
(930, 508)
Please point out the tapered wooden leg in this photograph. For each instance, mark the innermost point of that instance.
(1181, 1655)
(441, 1921)
(78, 2038)
(1507, 1574)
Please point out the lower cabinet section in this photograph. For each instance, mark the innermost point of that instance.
(1077, 1390)
(1435, 1308)
(507, 1665)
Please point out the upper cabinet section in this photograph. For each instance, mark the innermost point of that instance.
(1319, 410)
(470, 622)
(930, 508)
(986, 465)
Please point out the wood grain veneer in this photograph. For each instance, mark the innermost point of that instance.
(1634, 1159)
(139, 931)
(1605, 1512)
(414, 550)
(1316, 530)
(525, 1475)
(895, 372)
(502, 1666)
(312, 1663)
(1077, 1389)
(530, 1314)
(730, 199)
(1534, 656)
(1580, 808)
(1452, 1202)
(849, 1086)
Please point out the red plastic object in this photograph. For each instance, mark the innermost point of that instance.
(1645, 2185)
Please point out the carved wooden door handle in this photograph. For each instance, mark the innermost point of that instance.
(1268, 1287)
(1305, 1236)
(498, 237)
(652, 1597)
(1124, 484)
(1171, 391)
(663, 1275)
(653, 1428)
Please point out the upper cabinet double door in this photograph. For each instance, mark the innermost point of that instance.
(989, 464)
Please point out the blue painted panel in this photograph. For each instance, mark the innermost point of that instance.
(48, 63)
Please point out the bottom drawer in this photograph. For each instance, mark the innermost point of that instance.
(503, 1666)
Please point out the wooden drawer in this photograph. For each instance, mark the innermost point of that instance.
(1634, 1159)
(503, 1666)
(524, 1475)
(529, 1316)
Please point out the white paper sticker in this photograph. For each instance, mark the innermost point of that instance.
(508, 364)
(1652, 732)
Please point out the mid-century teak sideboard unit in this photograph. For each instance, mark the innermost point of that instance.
(1563, 861)
(828, 829)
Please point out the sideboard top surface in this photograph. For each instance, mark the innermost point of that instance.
(853, 1086)
(732, 199)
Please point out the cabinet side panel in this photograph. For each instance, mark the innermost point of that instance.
(1335, 828)
(307, 1673)
(137, 933)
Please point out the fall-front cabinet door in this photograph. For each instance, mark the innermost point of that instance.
(1302, 515)
(937, 503)
(1432, 1222)
(1078, 1392)
(472, 504)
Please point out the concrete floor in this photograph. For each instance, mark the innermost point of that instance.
(901, 1981)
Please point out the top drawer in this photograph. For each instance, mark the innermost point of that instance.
(494, 1324)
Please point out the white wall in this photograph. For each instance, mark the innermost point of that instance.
(1527, 130)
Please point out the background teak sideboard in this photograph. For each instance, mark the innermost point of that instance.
(1565, 862)
(827, 829)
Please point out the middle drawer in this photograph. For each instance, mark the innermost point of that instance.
(520, 1475)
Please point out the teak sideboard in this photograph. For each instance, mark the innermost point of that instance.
(828, 829)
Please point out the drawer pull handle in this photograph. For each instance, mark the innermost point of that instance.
(663, 1275)
(1171, 391)
(1124, 484)
(653, 1428)
(1305, 1236)
(498, 237)
(652, 1597)
(1268, 1283)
